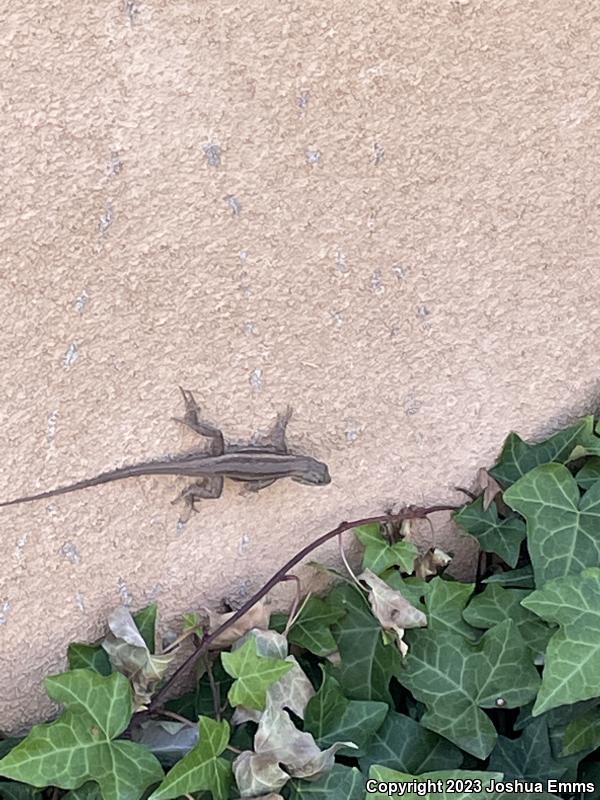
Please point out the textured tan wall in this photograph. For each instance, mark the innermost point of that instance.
(384, 212)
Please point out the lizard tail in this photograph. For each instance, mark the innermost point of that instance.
(119, 474)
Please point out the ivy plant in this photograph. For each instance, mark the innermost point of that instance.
(399, 680)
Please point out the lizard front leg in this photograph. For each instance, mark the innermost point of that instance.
(250, 487)
(275, 439)
(191, 420)
(278, 431)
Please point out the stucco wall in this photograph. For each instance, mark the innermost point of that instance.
(383, 212)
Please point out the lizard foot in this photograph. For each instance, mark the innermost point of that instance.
(192, 420)
(209, 488)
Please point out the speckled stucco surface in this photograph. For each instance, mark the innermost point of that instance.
(383, 212)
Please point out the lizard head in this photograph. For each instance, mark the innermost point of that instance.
(313, 472)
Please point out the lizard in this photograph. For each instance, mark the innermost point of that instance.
(256, 465)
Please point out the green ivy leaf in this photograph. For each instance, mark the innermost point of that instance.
(529, 757)
(572, 661)
(340, 783)
(6, 745)
(496, 604)
(445, 602)
(379, 773)
(405, 745)
(558, 718)
(582, 733)
(589, 473)
(168, 739)
(591, 774)
(456, 679)
(191, 622)
(331, 718)
(254, 674)
(312, 629)
(89, 791)
(521, 578)
(563, 532)
(88, 656)
(201, 769)
(495, 535)
(18, 791)
(518, 457)
(79, 746)
(380, 555)
(367, 664)
(145, 620)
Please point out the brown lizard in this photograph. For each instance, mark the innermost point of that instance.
(256, 465)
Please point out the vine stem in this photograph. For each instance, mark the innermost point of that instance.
(178, 717)
(410, 512)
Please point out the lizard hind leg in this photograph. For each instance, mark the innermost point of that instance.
(191, 419)
(209, 488)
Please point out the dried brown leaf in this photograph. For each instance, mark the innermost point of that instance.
(296, 750)
(489, 487)
(392, 610)
(258, 774)
(334, 658)
(431, 562)
(129, 654)
(243, 714)
(271, 796)
(257, 617)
